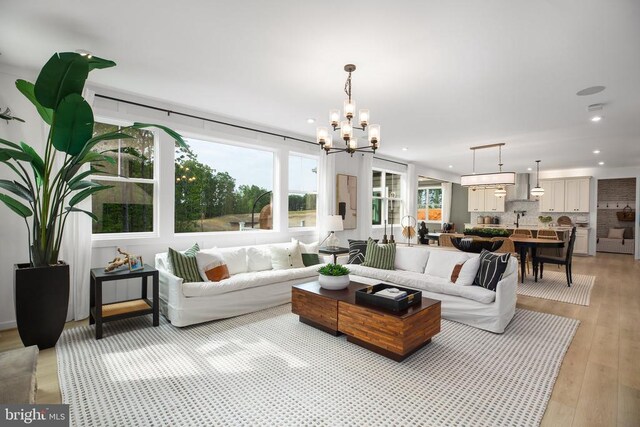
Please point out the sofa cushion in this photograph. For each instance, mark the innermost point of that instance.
(211, 265)
(441, 263)
(491, 270)
(468, 272)
(258, 258)
(424, 282)
(411, 259)
(289, 256)
(306, 248)
(310, 259)
(184, 265)
(191, 251)
(616, 233)
(236, 259)
(380, 255)
(247, 280)
(357, 251)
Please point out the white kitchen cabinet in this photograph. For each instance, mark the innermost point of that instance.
(476, 200)
(491, 202)
(577, 195)
(553, 199)
(581, 245)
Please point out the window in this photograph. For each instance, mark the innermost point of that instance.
(303, 191)
(127, 207)
(220, 187)
(430, 204)
(387, 198)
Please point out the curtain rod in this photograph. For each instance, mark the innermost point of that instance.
(192, 116)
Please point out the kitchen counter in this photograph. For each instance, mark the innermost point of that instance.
(524, 226)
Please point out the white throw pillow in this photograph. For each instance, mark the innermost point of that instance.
(207, 260)
(441, 262)
(468, 272)
(236, 259)
(306, 248)
(616, 233)
(283, 258)
(411, 259)
(259, 259)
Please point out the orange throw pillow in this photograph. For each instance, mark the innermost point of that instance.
(456, 272)
(218, 273)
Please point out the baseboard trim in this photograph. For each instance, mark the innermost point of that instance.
(8, 325)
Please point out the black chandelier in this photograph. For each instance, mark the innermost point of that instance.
(346, 127)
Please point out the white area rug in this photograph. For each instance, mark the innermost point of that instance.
(267, 368)
(554, 287)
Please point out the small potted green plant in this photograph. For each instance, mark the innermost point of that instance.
(333, 276)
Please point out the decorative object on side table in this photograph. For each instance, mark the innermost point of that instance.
(408, 230)
(119, 262)
(476, 246)
(53, 187)
(422, 234)
(334, 223)
(333, 277)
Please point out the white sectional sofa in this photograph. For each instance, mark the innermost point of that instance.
(429, 270)
(426, 269)
(252, 286)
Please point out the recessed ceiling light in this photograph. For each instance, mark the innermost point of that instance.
(601, 163)
(596, 151)
(529, 169)
(596, 118)
(405, 149)
(311, 120)
(450, 166)
(590, 90)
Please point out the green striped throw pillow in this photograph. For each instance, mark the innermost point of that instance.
(184, 264)
(380, 256)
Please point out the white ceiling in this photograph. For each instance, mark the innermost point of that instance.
(438, 76)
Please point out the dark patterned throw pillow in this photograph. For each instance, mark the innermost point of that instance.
(357, 251)
(492, 267)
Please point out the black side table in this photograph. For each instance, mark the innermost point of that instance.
(100, 313)
(335, 251)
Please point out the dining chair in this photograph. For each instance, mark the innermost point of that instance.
(522, 232)
(445, 240)
(565, 260)
(545, 233)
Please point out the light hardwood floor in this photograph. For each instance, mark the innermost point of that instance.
(599, 382)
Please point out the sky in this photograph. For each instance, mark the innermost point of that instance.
(254, 167)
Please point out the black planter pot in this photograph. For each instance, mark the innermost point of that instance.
(41, 296)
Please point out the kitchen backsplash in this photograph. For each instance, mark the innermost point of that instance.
(530, 218)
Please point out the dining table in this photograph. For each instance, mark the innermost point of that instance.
(522, 244)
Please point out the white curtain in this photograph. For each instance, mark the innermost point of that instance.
(446, 201)
(326, 192)
(365, 195)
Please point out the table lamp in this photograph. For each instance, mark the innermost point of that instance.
(334, 223)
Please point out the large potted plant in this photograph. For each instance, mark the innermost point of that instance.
(49, 186)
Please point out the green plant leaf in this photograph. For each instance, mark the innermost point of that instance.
(65, 73)
(16, 154)
(104, 137)
(36, 161)
(17, 189)
(72, 180)
(91, 214)
(96, 63)
(79, 185)
(16, 206)
(86, 193)
(9, 144)
(172, 133)
(27, 89)
(73, 126)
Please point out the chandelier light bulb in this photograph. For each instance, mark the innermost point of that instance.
(374, 134)
(349, 108)
(321, 135)
(334, 117)
(364, 118)
(328, 143)
(353, 143)
(346, 130)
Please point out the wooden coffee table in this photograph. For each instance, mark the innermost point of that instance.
(394, 335)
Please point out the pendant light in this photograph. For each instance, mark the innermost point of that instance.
(537, 191)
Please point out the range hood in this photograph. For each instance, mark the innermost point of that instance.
(520, 192)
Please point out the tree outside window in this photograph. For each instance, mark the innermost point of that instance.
(430, 204)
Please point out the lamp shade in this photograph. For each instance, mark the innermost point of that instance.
(334, 223)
